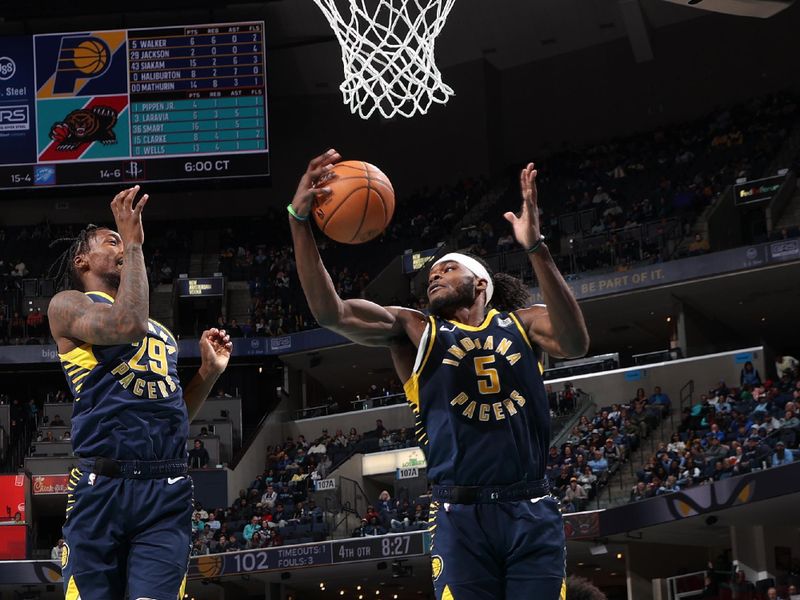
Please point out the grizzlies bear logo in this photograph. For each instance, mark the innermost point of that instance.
(84, 126)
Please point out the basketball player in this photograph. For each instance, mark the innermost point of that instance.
(129, 507)
(472, 376)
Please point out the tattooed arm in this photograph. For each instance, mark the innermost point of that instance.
(75, 319)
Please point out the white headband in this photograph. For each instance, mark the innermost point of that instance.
(473, 265)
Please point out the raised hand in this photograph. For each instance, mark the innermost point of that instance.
(526, 225)
(215, 350)
(129, 217)
(316, 175)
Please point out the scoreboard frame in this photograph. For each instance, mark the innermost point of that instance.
(194, 112)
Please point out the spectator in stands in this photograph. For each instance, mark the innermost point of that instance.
(716, 450)
(212, 521)
(386, 440)
(676, 445)
(57, 421)
(49, 437)
(576, 494)
(420, 516)
(749, 375)
(374, 527)
(402, 517)
(198, 456)
(755, 453)
(659, 398)
(640, 492)
(781, 456)
(55, 553)
(668, 486)
(253, 526)
(772, 594)
(598, 463)
(611, 452)
(319, 446)
(587, 479)
(269, 498)
(786, 363)
(699, 245)
(379, 428)
(279, 515)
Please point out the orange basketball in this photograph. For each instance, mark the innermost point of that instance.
(360, 206)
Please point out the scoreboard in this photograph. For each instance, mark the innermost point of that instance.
(135, 105)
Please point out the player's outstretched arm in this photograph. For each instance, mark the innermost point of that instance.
(215, 352)
(74, 316)
(361, 321)
(558, 327)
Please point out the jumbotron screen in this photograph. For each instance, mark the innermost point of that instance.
(135, 105)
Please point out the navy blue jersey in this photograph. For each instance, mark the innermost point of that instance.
(481, 411)
(128, 399)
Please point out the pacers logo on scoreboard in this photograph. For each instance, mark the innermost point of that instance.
(85, 64)
(80, 58)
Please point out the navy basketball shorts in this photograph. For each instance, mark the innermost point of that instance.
(126, 534)
(513, 550)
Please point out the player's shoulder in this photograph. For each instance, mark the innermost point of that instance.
(408, 316)
(66, 301)
(530, 313)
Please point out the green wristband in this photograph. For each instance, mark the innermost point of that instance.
(294, 214)
(536, 246)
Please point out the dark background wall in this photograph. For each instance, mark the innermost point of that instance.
(496, 119)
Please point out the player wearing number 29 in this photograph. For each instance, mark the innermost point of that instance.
(129, 507)
(472, 376)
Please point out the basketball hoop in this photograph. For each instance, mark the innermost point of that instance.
(387, 54)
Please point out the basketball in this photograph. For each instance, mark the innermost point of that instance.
(360, 206)
(90, 57)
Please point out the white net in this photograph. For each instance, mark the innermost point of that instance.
(388, 54)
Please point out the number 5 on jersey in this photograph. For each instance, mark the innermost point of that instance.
(492, 386)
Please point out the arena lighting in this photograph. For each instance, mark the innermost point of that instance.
(619, 555)
(744, 8)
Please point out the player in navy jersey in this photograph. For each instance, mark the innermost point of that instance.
(473, 378)
(129, 506)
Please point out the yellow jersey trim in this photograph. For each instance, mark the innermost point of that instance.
(411, 387)
(525, 337)
(72, 589)
(480, 327)
(183, 589)
(165, 328)
(82, 356)
(524, 333)
(101, 294)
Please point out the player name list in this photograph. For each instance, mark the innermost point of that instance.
(197, 90)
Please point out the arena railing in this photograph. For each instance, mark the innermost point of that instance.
(355, 405)
(688, 585)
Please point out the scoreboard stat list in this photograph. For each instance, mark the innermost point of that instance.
(133, 105)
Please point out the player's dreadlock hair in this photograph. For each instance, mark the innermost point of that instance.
(510, 293)
(63, 268)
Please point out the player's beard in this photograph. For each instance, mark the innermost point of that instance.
(112, 279)
(462, 296)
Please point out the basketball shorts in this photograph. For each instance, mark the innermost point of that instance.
(126, 534)
(514, 550)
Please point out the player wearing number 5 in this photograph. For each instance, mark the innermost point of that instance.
(472, 376)
(129, 507)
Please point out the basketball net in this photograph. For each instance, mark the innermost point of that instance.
(387, 54)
